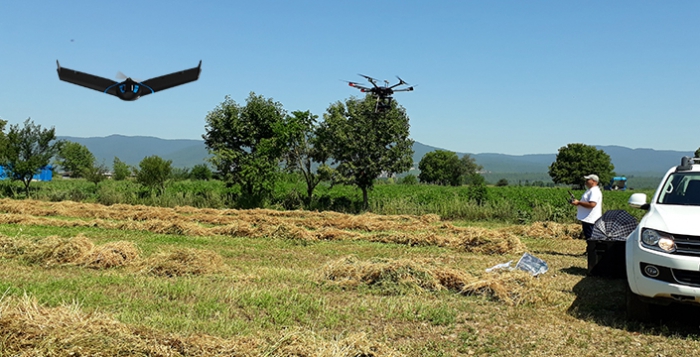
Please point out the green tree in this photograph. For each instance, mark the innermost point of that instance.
(469, 168)
(74, 158)
(697, 153)
(477, 189)
(577, 160)
(201, 172)
(95, 173)
(409, 179)
(440, 167)
(303, 153)
(3, 139)
(154, 172)
(502, 183)
(365, 144)
(120, 170)
(26, 150)
(246, 144)
(180, 173)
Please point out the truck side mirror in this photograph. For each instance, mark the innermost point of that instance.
(639, 200)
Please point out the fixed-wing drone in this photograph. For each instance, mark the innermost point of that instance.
(128, 89)
(383, 93)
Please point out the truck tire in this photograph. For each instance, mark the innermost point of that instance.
(637, 309)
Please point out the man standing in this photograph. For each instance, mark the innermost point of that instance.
(590, 207)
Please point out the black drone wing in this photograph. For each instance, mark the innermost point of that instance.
(173, 79)
(84, 79)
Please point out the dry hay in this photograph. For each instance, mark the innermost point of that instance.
(77, 250)
(546, 230)
(29, 329)
(11, 247)
(514, 287)
(285, 231)
(305, 226)
(386, 273)
(330, 233)
(110, 255)
(183, 262)
(55, 250)
(414, 238)
(303, 343)
(233, 230)
(487, 241)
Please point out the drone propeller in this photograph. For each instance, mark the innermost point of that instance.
(401, 81)
(122, 76)
(370, 79)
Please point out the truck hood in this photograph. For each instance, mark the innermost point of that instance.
(673, 219)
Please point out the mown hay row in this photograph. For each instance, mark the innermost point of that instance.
(181, 262)
(399, 275)
(352, 272)
(471, 239)
(79, 250)
(306, 219)
(29, 329)
(546, 230)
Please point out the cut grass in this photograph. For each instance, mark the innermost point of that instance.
(271, 294)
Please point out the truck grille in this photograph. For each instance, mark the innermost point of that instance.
(687, 245)
(687, 277)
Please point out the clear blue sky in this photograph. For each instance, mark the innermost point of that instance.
(512, 77)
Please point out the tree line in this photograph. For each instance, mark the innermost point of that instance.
(252, 144)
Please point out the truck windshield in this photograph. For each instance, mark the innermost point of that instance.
(681, 188)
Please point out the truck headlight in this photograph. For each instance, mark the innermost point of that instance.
(658, 240)
(650, 237)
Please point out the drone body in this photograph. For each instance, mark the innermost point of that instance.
(128, 89)
(383, 93)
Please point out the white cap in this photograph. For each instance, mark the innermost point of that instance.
(593, 177)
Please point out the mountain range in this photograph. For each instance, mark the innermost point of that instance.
(187, 153)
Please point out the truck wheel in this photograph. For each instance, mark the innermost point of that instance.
(637, 309)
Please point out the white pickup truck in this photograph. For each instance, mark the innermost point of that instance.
(663, 253)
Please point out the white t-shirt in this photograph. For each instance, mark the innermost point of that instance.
(590, 215)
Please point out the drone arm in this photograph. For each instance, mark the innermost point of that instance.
(84, 79)
(173, 79)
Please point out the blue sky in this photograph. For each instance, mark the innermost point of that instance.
(512, 77)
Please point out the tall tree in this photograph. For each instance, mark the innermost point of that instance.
(75, 158)
(440, 167)
(697, 153)
(577, 160)
(3, 139)
(120, 170)
(245, 144)
(303, 154)
(201, 172)
(95, 173)
(28, 149)
(153, 172)
(364, 143)
(469, 168)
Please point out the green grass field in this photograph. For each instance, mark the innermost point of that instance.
(203, 282)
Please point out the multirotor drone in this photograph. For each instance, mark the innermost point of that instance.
(383, 93)
(129, 89)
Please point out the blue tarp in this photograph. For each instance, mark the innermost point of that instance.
(44, 174)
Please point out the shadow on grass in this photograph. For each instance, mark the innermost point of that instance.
(575, 271)
(603, 301)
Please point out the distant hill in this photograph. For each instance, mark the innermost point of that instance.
(639, 162)
(187, 153)
(132, 149)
